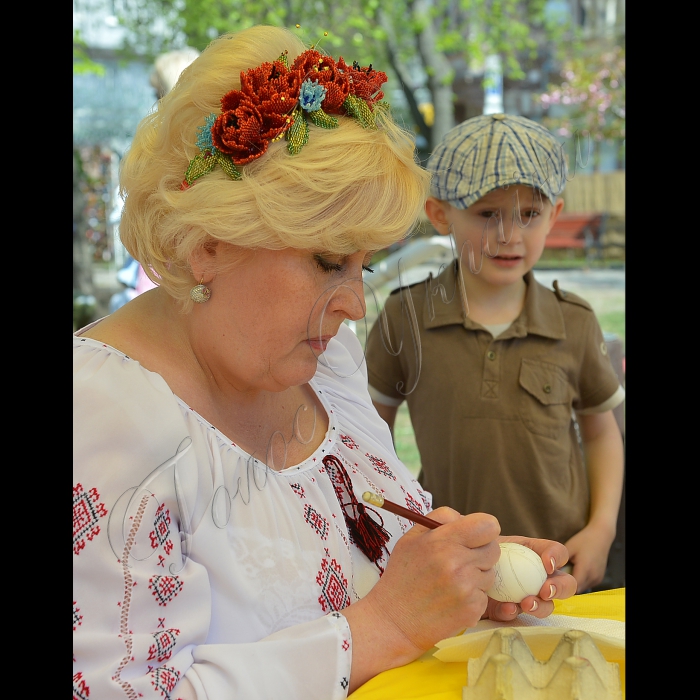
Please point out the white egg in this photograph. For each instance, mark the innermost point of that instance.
(519, 573)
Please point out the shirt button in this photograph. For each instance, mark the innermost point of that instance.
(547, 389)
(491, 355)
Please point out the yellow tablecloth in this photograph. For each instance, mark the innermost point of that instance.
(430, 679)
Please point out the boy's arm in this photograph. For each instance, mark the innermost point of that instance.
(604, 455)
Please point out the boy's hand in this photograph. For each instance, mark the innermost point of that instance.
(588, 552)
(558, 585)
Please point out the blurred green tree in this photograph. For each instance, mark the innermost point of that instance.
(425, 43)
(82, 63)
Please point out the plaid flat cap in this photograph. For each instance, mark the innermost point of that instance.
(494, 150)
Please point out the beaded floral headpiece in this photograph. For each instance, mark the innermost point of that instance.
(275, 101)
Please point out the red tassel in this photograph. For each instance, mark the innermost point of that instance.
(365, 532)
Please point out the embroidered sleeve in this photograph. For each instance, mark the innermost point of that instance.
(283, 665)
(142, 606)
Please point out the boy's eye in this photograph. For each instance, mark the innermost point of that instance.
(490, 213)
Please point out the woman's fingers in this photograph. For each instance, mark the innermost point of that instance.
(473, 530)
(437, 579)
(553, 554)
(557, 585)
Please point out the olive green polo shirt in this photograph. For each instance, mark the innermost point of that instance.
(493, 416)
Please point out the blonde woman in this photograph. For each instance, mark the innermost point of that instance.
(223, 429)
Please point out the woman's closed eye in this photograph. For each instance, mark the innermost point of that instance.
(330, 266)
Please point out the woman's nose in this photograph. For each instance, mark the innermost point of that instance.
(348, 299)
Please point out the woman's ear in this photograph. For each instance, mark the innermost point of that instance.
(436, 210)
(203, 260)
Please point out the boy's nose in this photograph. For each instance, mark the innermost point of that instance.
(510, 233)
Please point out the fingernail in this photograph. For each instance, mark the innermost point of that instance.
(552, 591)
(534, 606)
(554, 564)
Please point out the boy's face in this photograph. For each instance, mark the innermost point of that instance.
(506, 230)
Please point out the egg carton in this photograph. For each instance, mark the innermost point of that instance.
(507, 670)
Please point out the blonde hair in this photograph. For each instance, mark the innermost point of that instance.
(348, 189)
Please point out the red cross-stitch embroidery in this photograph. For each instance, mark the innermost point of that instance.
(165, 588)
(424, 498)
(342, 534)
(334, 586)
(161, 529)
(81, 691)
(349, 442)
(369, 535)
(298, 490)
(380, 466)
(164, 679)
(86, 513)
(412, 504)
(77, 619)
(163, 645)
(317, 521)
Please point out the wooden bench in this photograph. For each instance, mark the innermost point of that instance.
(574, 230)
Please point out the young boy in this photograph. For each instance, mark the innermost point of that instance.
(493, 364)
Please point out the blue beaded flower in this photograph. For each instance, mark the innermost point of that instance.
(204, 141)
(311, 95)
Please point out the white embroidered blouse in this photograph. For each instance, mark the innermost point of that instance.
(193, 559)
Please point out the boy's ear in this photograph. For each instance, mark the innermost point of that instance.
(436, 210)
(554, 215)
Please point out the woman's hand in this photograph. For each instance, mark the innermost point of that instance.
(433, 587)
(436, 580)
(558, 584)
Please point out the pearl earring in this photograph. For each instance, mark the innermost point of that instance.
(200, 293)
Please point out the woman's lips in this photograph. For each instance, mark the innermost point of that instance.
(319, 344)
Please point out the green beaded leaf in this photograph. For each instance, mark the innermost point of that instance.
(358, 108)
(200, 165)
(383, 105)
(320, 118)
(227, 166)
(298, 133)
(283, 59)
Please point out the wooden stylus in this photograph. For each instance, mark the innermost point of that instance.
(381, 502)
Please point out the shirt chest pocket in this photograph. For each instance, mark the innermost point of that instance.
(545, 403)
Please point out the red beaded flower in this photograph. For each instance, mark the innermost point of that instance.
(315, 66)
(277, 100)
(366, 82)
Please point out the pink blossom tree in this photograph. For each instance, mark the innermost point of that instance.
(593, 94)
